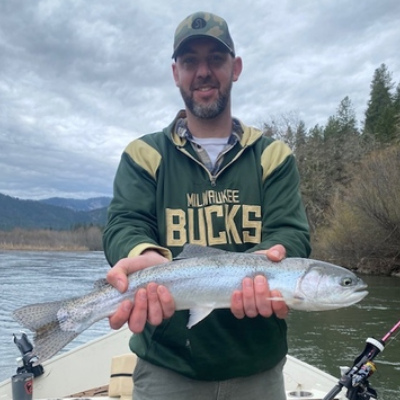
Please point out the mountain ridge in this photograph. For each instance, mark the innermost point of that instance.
(53, 213)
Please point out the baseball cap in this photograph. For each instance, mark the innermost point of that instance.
(202, 24)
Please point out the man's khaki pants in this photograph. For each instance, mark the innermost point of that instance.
(154, 383)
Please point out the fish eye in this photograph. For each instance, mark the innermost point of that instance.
(347, 281)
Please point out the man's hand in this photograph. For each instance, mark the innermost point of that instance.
(254, 298)
(153, 304)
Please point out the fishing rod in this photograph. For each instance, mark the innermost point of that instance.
(355, 379)
(28, 362)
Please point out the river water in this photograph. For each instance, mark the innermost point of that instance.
(325, 339)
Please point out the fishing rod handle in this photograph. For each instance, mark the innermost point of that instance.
(335, 390)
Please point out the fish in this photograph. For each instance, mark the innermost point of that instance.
(201, 279)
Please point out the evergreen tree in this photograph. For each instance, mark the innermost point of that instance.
(346, 117)
(396, 102)
(396, 106)
(311, 163)
(325, 161)
(300, 136)
(343, 124)
(380, 114)
(332, 129)
(341, 144)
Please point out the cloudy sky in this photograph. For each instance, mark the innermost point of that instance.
(80, 79)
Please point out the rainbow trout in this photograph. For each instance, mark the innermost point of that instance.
(201, 280)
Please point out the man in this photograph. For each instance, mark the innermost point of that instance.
(206, 179)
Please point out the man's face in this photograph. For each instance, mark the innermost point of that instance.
(204, 73)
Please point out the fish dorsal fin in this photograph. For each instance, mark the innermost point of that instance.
(195, 251)
(198, 313)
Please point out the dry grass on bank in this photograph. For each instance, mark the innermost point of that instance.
(80, 239)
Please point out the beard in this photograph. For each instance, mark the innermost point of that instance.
(207, 111)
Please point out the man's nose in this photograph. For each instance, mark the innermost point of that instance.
(203, 68)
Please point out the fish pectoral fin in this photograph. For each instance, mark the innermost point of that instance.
(276, 298)
(197, 314)
(294, 301)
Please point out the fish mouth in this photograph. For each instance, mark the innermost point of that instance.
(347, 299)
(362, 289)
(361, 293)
(358, 294)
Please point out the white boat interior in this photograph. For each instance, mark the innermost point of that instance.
(102, 369)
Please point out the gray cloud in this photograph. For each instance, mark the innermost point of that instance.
(79, 80)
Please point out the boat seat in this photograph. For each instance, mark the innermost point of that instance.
(121, 383)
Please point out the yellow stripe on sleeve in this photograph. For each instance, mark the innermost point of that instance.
(273, 156)
(144, 155)
(139, 249)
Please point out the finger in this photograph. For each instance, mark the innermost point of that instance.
(237, 306)
(118, 278)
(276, 253)
(121, 315)
(249, 303)
(280, 308)
(262, 296)
(154, 309)
(166, 300)
(117, 275)
(138, 317)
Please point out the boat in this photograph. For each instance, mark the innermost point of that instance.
(103, 369)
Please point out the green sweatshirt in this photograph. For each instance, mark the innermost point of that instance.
(164, 197)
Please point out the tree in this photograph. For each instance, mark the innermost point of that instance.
(364, 225)
(396, 106)
(285, 128)
(311, 163)
(380, 120)
(324, 158)
(341, 143)
(346, 117)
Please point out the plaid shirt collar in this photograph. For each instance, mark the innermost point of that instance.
(182, 130)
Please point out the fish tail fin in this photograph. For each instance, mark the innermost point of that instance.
(42, 319)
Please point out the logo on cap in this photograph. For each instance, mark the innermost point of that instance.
(199, 23)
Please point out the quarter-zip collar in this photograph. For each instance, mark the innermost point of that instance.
(246, 137)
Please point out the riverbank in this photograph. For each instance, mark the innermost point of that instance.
(20, 247)
(377, 271)
(79, 239)
(375, 267)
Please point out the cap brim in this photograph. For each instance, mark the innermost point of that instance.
(203, 35)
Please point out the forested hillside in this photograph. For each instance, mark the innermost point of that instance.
(351, 178)
(29, 214)
(79, 204)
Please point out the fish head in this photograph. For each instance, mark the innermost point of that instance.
(325, 286)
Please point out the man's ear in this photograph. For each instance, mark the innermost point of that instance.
(237, 68)
(175, 73)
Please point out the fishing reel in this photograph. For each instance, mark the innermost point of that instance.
(29, 362)
(355, 379)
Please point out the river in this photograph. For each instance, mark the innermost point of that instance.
(325, 339)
